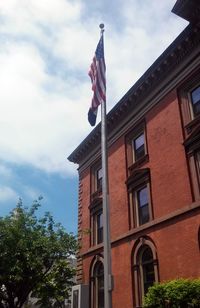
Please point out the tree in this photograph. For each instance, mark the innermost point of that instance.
(34, 258)
(178, 293)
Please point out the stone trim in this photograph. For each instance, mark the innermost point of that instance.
(195, 206)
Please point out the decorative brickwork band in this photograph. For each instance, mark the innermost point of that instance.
(79, 269)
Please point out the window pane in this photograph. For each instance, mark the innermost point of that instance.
(138, 147)
(99, 178)
(100, 220)
(139, 141)
(147, 255)
(100, 228)
(75, 299)
(99, 173)
(143, 205)
(100, 275)
(196, 95)
(144, 214)
(148, 269)
(149, 276)
(142, 196)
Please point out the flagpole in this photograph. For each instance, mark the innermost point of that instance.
(108, 280)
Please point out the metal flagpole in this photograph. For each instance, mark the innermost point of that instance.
(108, 280)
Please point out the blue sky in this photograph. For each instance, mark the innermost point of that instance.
(46, 47)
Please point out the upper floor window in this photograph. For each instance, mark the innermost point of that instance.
(197, 161)
(140, 207)
(195, 100)
(96, 180)
(98, 227)
(136, 147)
(189, 98)
(142, 201)
(96, 221)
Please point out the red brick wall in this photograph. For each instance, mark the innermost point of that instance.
(176, 240)
(118, 189)
(167, 161)
(178, 256)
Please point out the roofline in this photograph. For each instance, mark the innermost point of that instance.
(141, 85)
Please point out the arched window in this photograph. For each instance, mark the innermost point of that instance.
(145, 268)
(97, 285)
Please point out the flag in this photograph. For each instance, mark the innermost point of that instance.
(97, 74)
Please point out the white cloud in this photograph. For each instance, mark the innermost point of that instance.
(31, 192)
(46, 52)
(5, 172)
(7, 194)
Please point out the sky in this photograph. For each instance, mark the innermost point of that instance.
(46, 48)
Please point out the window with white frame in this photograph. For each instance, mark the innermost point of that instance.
(140, 206)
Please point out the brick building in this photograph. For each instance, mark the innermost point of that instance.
(154, 177)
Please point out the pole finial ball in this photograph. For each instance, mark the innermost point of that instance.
(101, 26)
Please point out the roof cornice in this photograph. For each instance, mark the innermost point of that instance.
(168, 61)
(187, 9)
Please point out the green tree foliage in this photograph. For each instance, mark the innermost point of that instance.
(179, 293)
(34, 258)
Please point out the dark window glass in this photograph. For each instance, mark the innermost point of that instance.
(99, 228)
(148, 269)
(197, 161)
(139, 148)
(195, 96)
(143, 205)
(75, 299)
(99, 285)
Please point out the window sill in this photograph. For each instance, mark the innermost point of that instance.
(138, 163)
(96, 194)
(191, 125)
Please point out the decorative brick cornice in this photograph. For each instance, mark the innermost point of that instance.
(187, 9)
(79, 267)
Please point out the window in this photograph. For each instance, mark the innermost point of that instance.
(98, 227)
(97, 285)
(197, 163)
(140, 207)
(189, 98)
(75, 299)
(192, 148)
(145, 268)
(136, 147)
(96, 181)
(195, 100)
(96, 221)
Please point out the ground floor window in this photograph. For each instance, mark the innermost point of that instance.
(97, 285)
(145, 268)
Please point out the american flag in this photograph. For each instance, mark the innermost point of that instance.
(97, 74)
